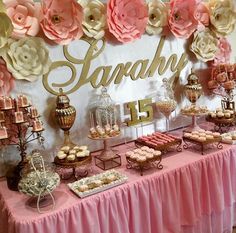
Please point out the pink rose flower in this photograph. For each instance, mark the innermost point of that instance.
(62, 22)
(127, 19)
(182, 22)
(24, 15)
(6, 79)
(201, 14)
(224, 52)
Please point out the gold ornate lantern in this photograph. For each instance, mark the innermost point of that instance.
(193, 89)
(65, 116)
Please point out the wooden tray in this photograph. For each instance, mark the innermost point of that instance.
(69, 164)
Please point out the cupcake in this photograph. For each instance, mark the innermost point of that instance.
(71, 157)
(65, 149)
(216, 134)
(202, 139)
(220, 114)
(61, 155)
(83, 188)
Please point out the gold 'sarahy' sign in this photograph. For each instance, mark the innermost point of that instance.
(105, 75)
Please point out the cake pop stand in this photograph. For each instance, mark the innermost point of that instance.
(107, 159)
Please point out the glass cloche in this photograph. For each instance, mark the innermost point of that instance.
(104, 120)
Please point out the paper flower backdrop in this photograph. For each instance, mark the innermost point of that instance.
(204, 23)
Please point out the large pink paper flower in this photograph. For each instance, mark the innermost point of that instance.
(6, 79)
(202, 15)
(223, 54)
(182, 22)
(24, 15)
(62, 20)
(127, 19)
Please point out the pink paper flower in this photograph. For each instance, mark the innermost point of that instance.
(201, 14)
(24, 15)
(6, 79)
(127, 19)
(62, 22)
(224, 52)
(182, 22)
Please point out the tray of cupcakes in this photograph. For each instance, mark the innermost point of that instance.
(143, 158)
(221, 116)
(229, 138)
(160, 141)
(72, 156)
(202, 138)
(97, 183)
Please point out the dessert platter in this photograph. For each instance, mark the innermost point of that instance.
(97, 183)
(202, 138)
(194, 112)
(229, 138)
(222, 118)
(160, 141)
(72, 157)
(143, 158)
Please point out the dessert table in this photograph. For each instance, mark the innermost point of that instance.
(191, 194)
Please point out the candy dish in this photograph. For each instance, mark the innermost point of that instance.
(97, 183)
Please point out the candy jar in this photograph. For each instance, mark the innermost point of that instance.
(65, 116)
(166, 103)
(193, 89)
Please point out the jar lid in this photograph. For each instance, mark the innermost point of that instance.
(192, 77)
(62, 98)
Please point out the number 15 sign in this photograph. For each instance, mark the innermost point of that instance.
(140, 111)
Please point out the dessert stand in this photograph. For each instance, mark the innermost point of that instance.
(104, 127)
(107, 159)
(19, 116)
(193, 91)
(213, 142)
(65, 117)
(154, 162)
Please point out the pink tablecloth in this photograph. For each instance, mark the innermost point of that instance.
(192, 194)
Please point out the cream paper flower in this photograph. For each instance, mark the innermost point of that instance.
(157, 17)
(222, 16)
(26, 58)
(6, 29)
(94, 20)
(204, 45)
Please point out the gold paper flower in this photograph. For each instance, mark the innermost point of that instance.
(204, 45)
(222, 16)
(2, 7)
(26, 58)
(157, 17)
(6, 28)
(94, 20)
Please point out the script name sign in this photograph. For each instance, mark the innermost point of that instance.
(105, 75)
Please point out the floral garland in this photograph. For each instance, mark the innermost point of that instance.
(26, 25)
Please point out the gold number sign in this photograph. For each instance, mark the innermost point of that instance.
(144, 106)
